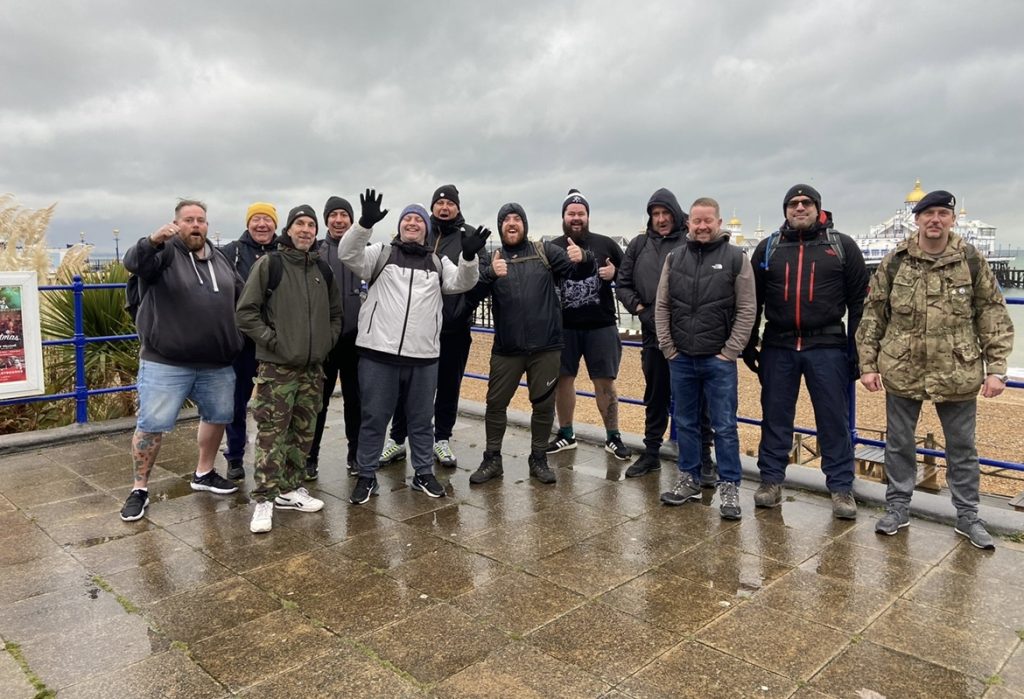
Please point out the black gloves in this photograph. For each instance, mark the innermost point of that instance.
(473, 242)
(371, 212)
(752, 358)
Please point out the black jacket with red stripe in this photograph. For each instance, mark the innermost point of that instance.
(805, 288)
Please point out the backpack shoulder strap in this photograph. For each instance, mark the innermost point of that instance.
(378, 267)
(837, 245)
(274, 273)
(538, 247)
(973, 261)
(769, 248)
(893, 268)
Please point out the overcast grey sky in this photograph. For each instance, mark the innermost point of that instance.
(115, 109)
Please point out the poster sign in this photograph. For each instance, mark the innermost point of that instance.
(21, 349)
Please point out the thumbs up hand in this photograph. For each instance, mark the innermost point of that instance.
(606, 271)
(575, 252)
(499, 265)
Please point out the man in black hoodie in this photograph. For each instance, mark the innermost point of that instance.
(637, 287)
(447, 226)
(344, 358)
(188, 338)
(258, 239)
(808, 276)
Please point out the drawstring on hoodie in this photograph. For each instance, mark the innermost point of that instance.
(213, 273)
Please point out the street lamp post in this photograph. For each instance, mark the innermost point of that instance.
(117, 249)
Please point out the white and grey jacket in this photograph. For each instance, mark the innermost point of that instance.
(401, 316)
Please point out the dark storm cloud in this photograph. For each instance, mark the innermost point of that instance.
(115, 109)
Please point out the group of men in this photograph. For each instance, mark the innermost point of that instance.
(281, 312)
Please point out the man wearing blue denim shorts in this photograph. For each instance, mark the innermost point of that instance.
(186, 324)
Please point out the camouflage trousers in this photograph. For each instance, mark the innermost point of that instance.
(285, 408)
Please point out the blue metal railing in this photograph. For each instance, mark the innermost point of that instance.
(79, 341)
(82, 391)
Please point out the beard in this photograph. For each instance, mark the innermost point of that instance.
(567, 229)
(194, 242)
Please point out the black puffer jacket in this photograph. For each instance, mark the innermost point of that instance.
(527, 314)
(804, 289)
(446, 241)
(636, 282)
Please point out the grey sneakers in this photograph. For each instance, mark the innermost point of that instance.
(844, 506)
(729, 494)
(444, 454)
(684, 489)
(392, 452)
(894, 519)
(974, 529)
(768, 495)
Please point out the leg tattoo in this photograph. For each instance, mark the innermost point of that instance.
(145, 447)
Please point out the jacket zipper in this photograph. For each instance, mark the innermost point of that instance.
(799, 283)
(696, 286)
(810, 293)
(309, 311)
(405, 322)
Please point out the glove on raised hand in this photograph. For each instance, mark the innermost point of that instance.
(371, 212)
(473, 242)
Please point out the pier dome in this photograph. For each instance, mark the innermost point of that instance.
(916, 194)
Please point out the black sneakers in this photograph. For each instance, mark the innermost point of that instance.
(235, 470)
(135, 506)
(352, 468)
(214, 483)
(561, 443)
(427, 483)
(489, 468)
(539, 468)
(365, 488)
(616, 448)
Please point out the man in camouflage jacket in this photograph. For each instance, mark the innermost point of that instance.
(935, 327)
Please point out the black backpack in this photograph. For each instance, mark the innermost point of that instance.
(276, 271)
(135, 290)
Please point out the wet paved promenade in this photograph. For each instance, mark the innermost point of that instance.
(589, 588)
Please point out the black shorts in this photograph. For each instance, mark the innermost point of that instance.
(600, 348)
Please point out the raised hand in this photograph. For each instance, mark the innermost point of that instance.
(498, 264)
(163, 233)
(371, 212)
(575, 252)
(473, 242)
(607, 272)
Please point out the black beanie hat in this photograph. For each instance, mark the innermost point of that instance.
(513, 208)
(446, 191)
(939, 197)
(335, 203)
(301, 210)
(806, 190)
(574, 197)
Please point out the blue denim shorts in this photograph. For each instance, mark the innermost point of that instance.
(163, 389)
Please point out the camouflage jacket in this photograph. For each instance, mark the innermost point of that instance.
(931, 331)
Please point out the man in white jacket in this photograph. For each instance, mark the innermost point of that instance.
(399, 333)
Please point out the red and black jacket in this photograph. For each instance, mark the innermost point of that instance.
(805, 288)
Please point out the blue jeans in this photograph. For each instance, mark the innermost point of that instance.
(164, 387)
(827, 373)
(716, 379)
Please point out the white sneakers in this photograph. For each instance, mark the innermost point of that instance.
(262, 518)
(299, 500)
